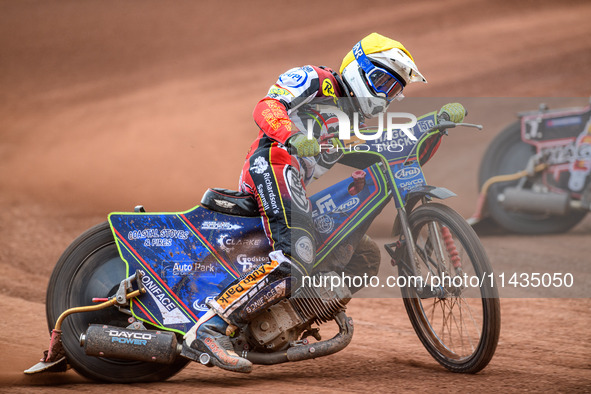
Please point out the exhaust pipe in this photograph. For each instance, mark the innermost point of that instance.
(162, 347)
(514, 199)
(139, 345)
(309, 351)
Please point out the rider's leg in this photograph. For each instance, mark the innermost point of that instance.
(286, 214)
(273, 178)
(257, 289)
(365, 261)
(362, 256)
(244, 297)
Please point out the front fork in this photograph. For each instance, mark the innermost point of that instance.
(409, 243)
(442, 242)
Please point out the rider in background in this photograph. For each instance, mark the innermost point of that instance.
(282, 161)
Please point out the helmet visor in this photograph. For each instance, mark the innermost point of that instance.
(384, 83)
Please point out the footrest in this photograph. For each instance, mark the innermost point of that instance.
(61, 365)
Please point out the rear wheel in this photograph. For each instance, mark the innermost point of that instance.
(457, 319)
(91, 267)
(508, 154)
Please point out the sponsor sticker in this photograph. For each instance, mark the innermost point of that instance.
(171, 314)
(234, 292)
(295, 189)
(228, 243)
(213, 225)
(272, 292)
(324, 224)
(348, 205)
(157, 237)
(294, 78)
(202, 306)
(305, 249)
(248, 261)
(275, 90)
(127, 337)
(191, 268)
(268, 196)
(568, 121)
(260, 165)
(157, 233)
(407, 173)
(326, 204)
(327, 88)
(224, 203)
(425, 124)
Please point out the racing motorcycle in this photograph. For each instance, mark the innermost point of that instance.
(150, 275)
(534, 177)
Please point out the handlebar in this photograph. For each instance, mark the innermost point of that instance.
(444, 125)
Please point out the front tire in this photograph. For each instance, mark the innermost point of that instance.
(458, 325)
(91, 267)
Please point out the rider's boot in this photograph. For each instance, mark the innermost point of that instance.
(209, 336)
(248, 295)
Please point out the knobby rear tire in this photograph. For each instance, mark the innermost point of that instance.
(91, 267)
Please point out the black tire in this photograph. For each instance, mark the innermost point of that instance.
(465, 336)
(508, 154)
(91, 267)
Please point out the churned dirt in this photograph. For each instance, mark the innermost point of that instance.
(108, 104)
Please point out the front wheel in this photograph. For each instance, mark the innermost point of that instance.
(91, 267)
(451, 299)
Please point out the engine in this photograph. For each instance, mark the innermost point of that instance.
(283, 323)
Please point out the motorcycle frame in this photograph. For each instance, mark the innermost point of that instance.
(389, 174)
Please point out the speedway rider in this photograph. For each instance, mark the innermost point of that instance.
(279, 164)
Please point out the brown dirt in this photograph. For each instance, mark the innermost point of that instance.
(108, 104)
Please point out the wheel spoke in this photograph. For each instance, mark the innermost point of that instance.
(449, 322)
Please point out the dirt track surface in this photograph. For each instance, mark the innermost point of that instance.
(104, 105)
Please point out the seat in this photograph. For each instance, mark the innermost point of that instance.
(230, 202)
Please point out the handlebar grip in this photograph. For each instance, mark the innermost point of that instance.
(445, 116)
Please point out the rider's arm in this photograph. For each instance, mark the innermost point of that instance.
(293, 89)
(454, 112)
(272, 118)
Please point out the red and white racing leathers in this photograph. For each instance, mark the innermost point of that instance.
(275, 177)
(277, 180)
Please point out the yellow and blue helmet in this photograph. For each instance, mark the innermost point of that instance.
(378, 68)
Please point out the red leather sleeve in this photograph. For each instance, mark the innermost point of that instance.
(271, 116)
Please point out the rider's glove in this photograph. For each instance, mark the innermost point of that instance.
(305, 147)
(453, 112)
